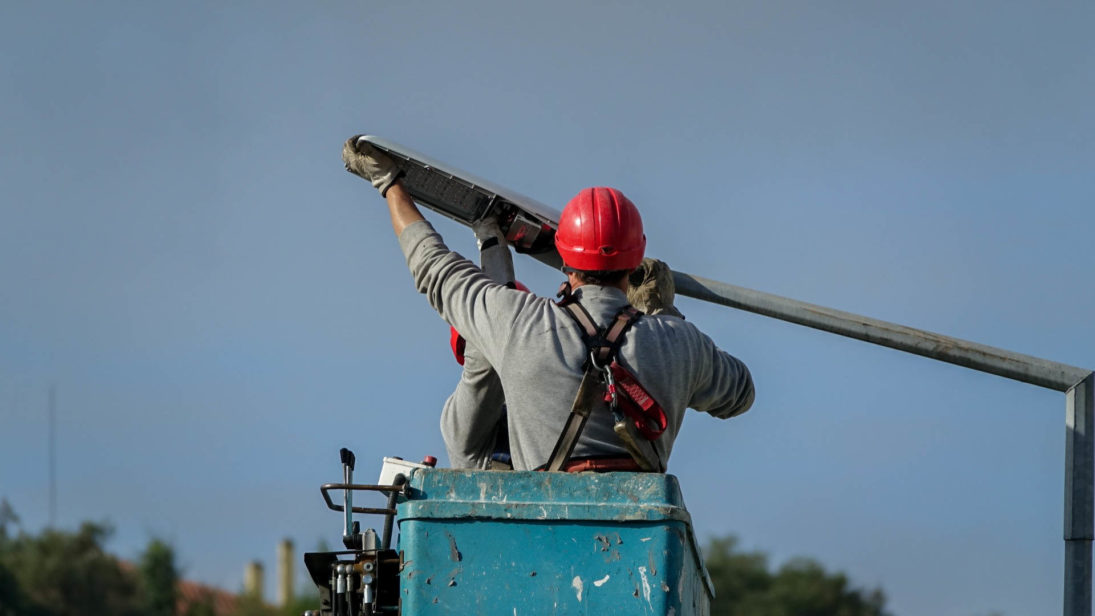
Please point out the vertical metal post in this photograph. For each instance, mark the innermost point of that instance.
(52, 456)
(1079, 491)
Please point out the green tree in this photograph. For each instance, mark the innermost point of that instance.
(803, 588)
(159, 579)
(62, 573)
(13, 602)
(741, 578)
(7, 516)
(744, 586)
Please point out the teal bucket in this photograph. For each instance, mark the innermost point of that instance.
(522, 543)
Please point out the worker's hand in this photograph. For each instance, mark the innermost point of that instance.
(365, 160)
(651, 288)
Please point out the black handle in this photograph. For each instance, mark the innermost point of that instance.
(347, 457)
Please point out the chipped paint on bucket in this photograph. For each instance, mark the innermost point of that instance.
(548, 543)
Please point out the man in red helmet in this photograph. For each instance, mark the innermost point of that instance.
(543, 354)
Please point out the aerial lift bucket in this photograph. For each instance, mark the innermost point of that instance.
(483, 542)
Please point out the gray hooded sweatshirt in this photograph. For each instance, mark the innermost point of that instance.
(538, 354)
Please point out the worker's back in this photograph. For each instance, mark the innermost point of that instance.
(542, 365)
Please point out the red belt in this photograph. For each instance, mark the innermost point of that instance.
(601, 465)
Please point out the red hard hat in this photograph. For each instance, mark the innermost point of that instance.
(457, 342)
(600, 230)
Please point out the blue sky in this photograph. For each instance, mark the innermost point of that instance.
(221, 306)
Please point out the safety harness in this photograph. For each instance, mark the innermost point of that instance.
(638, 418)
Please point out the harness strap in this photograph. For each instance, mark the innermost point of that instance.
(576, 422)
(603, 346)
(584, 320)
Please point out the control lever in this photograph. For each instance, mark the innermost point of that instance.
(348, 461)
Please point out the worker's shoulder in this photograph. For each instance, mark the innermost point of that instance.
(667, 321)
(669, 328)
(537, 308)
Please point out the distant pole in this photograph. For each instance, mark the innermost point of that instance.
(252, 580)
(285, 572)
(52, 455)
(1079, 496)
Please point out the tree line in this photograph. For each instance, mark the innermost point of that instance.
(745, 585)
(70, 573)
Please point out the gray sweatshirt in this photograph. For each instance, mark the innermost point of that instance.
(472, 413)
(538, 354)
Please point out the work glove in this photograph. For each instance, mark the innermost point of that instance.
(651, 289)
(365, 160)
(488, 228)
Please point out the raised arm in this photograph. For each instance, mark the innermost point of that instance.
(363, 159)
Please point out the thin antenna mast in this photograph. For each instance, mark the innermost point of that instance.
(52, 455)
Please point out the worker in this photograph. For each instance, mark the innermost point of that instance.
(478, 401)
(542, 353)
(473, 420)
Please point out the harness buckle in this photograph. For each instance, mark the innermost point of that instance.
(610, 384)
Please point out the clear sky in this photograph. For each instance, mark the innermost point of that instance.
(221, 306)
